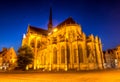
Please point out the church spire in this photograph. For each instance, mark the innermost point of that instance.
(50, 20)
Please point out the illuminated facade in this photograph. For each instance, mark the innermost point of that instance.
(8, 58)
(117, 56)
(112, 57)
(64, 47)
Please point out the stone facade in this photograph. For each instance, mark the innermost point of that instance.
(64, 47)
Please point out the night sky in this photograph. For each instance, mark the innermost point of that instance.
(99, 17)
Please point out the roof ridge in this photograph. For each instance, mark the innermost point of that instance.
(31, 26)
(69, 20)
(37, 30)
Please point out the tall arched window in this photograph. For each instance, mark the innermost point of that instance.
(38, 44)
(68, 54)
(75, 55)
(90, 54)
(88, 50)
(62, 54)
(96, 55)
(80, 53)
(54, 56)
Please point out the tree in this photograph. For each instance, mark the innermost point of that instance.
(25, 57)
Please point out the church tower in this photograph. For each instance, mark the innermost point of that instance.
(50, 20)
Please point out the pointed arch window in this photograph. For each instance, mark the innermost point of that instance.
(55, 56)
(68, 54)
(88, 50)
(90, 55)
(75, 55)
(38, 44)
(96, 55)
(80, 54)
(62, 54)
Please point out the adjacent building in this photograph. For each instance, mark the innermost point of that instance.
(64, 47)
(112, 57)
(8, 59)
(117, 54)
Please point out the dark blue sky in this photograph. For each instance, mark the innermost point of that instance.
(99, 17)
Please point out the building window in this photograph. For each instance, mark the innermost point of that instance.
(32, 43)
(54, 41)
(96, 55)
(62, 38)
(62, 54)
(80, 53)
(88, 50)
(68, 54)
(38, 44)
(90, 55)
(75, 55)
(73, 34)
(54, 56)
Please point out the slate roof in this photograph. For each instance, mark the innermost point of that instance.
(37, 30)
(65, 22)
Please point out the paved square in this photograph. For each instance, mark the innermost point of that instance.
(94, 76)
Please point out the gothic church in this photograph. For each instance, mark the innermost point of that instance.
(64, 47)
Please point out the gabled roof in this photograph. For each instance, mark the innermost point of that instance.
(2, 53)
(65, 22)
(37, 30)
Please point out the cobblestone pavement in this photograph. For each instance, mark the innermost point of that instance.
(94, 76)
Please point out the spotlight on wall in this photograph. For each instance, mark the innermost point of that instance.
(55, 30)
